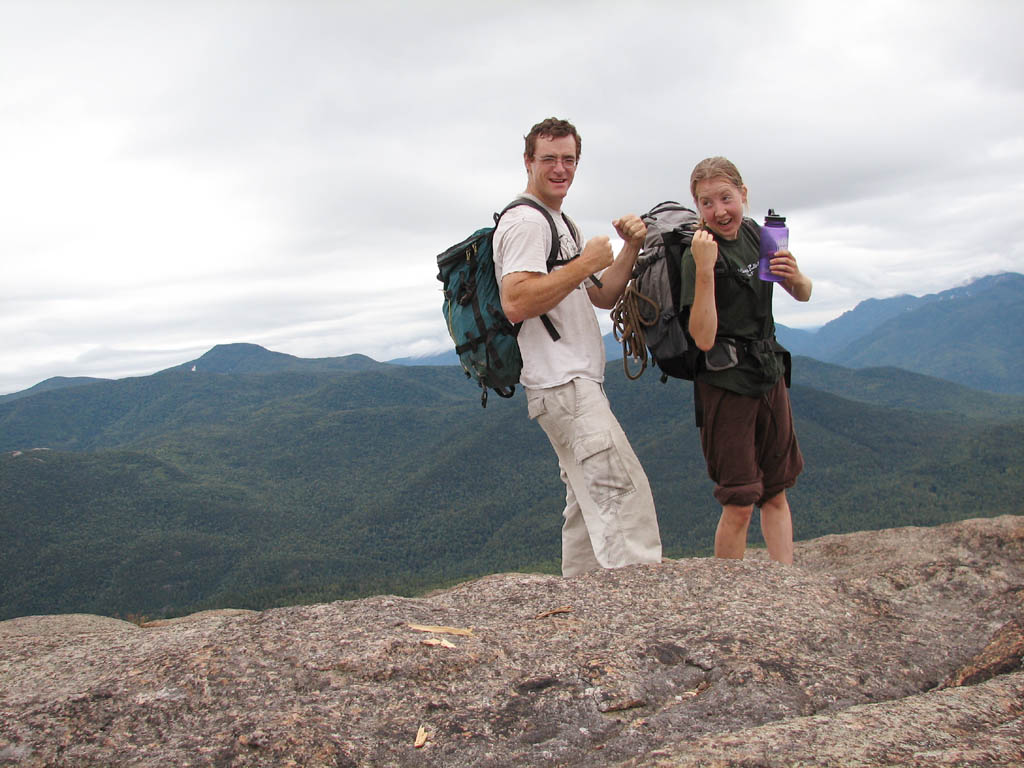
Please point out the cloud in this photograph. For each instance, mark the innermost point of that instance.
(179, 175)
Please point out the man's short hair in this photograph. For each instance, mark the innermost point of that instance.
(552, 128)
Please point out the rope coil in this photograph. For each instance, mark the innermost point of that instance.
(628, 323)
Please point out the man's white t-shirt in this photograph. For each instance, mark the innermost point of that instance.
(522, 242)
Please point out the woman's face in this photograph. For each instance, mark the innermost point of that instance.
(720, 204)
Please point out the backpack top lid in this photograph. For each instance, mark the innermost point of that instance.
(664, 221)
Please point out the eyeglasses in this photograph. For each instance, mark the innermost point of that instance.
(550, 161)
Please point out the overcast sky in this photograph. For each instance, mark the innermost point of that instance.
(176, 175)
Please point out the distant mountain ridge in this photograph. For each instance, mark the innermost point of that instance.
(55, 382)
(970, 334)
(231, 358)
(252, 358)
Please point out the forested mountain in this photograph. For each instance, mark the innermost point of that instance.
(312, 480)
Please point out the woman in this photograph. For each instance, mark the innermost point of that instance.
(747, 424)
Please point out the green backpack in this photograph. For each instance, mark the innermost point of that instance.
(485, 340)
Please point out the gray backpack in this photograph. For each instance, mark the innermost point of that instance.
(647, 315)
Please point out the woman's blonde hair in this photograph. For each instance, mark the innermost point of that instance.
(712, 168)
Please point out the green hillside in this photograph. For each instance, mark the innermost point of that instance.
(898, 388)
(187, 490)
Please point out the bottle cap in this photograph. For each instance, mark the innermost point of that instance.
(773, 219)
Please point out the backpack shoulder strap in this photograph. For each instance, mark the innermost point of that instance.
(572, 228)
(751, 226)
(553, 253)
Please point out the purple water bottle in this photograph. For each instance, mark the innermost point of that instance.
(774, 237)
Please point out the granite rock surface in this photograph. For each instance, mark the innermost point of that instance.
(894, 647)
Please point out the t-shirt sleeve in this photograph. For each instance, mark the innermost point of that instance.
(522, 247)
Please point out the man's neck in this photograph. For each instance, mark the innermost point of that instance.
(554, 205)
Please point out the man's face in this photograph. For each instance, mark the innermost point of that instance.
(551, 169)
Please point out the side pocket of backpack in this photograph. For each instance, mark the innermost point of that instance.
(722, 356)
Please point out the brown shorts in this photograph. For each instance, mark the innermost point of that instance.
(749, 444)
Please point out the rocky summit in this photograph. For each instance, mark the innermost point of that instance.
(892, 647)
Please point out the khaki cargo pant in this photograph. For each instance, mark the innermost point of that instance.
(609, 517)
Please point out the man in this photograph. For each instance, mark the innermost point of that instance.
(609, 518)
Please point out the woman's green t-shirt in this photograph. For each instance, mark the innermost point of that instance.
(744, 306)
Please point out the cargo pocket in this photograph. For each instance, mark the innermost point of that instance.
(603, 470)
(535, 406)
